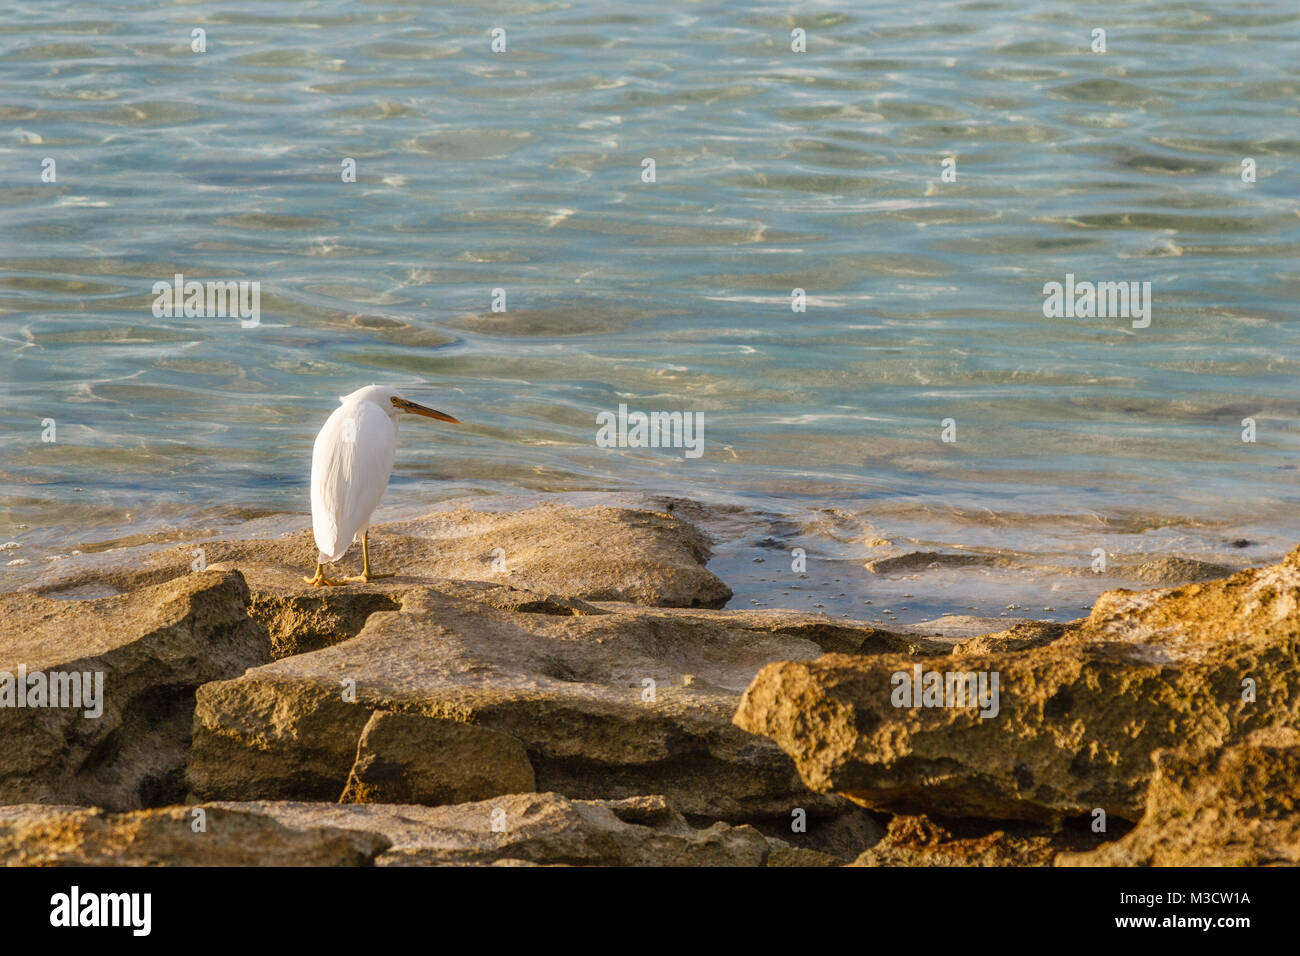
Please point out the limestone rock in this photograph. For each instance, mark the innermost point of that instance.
(1171, 570)
(844, 836)
(593, 554)
(511, 830)
(34, 835)
(406, 758)
(1078, 717)
(299, 621)
(1019, 637)
(534, 828)
(572, 689)
(922, 841)
(1235, 806)
(783, 854)
(830, 634)
(152, 648)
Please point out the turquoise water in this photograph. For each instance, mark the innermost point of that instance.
(522, 171)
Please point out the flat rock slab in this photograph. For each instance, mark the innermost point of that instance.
(35, 835)
(149, 650)
(832, 635)
(533, 829)
(595, 554)
(605, 705)
(1078, 717)
(302, 619)
(538, 828)
(1235, 806)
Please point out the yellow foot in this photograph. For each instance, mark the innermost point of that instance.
(320, 580)
(367, 578)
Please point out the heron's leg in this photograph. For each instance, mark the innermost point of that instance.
(366, 574)
(320, 580)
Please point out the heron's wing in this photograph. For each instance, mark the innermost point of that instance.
(350, 465)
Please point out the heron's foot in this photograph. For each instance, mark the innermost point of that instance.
(367, 577)
(320, 581)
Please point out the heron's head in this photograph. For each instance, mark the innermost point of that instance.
(392, 403)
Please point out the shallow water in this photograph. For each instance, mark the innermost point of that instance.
(775, 170)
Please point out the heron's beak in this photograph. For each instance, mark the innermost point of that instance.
(417, 409)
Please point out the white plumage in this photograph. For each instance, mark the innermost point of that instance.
(350, 466)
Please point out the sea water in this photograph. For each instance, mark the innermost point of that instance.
(840, 259)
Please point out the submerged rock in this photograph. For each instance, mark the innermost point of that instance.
(918, 560)
(1076, 720)
(1171, 570)
(149, 651)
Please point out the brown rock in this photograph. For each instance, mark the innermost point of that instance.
(1019, 637)
(1234, 806)
(782, 854)
(592, 554)
(307, 619)
(299, 621)
(152, 649)
(1171, 570)
(570, 688)
(922, 841)
(831, 635)
(511, 830)
(918, 560)
(406, 758)
(1078, 718)
(844, 836)
(34, 835)
(536, 828)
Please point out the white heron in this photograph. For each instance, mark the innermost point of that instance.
(350, 465)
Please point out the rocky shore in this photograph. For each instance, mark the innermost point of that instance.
(563, 686)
